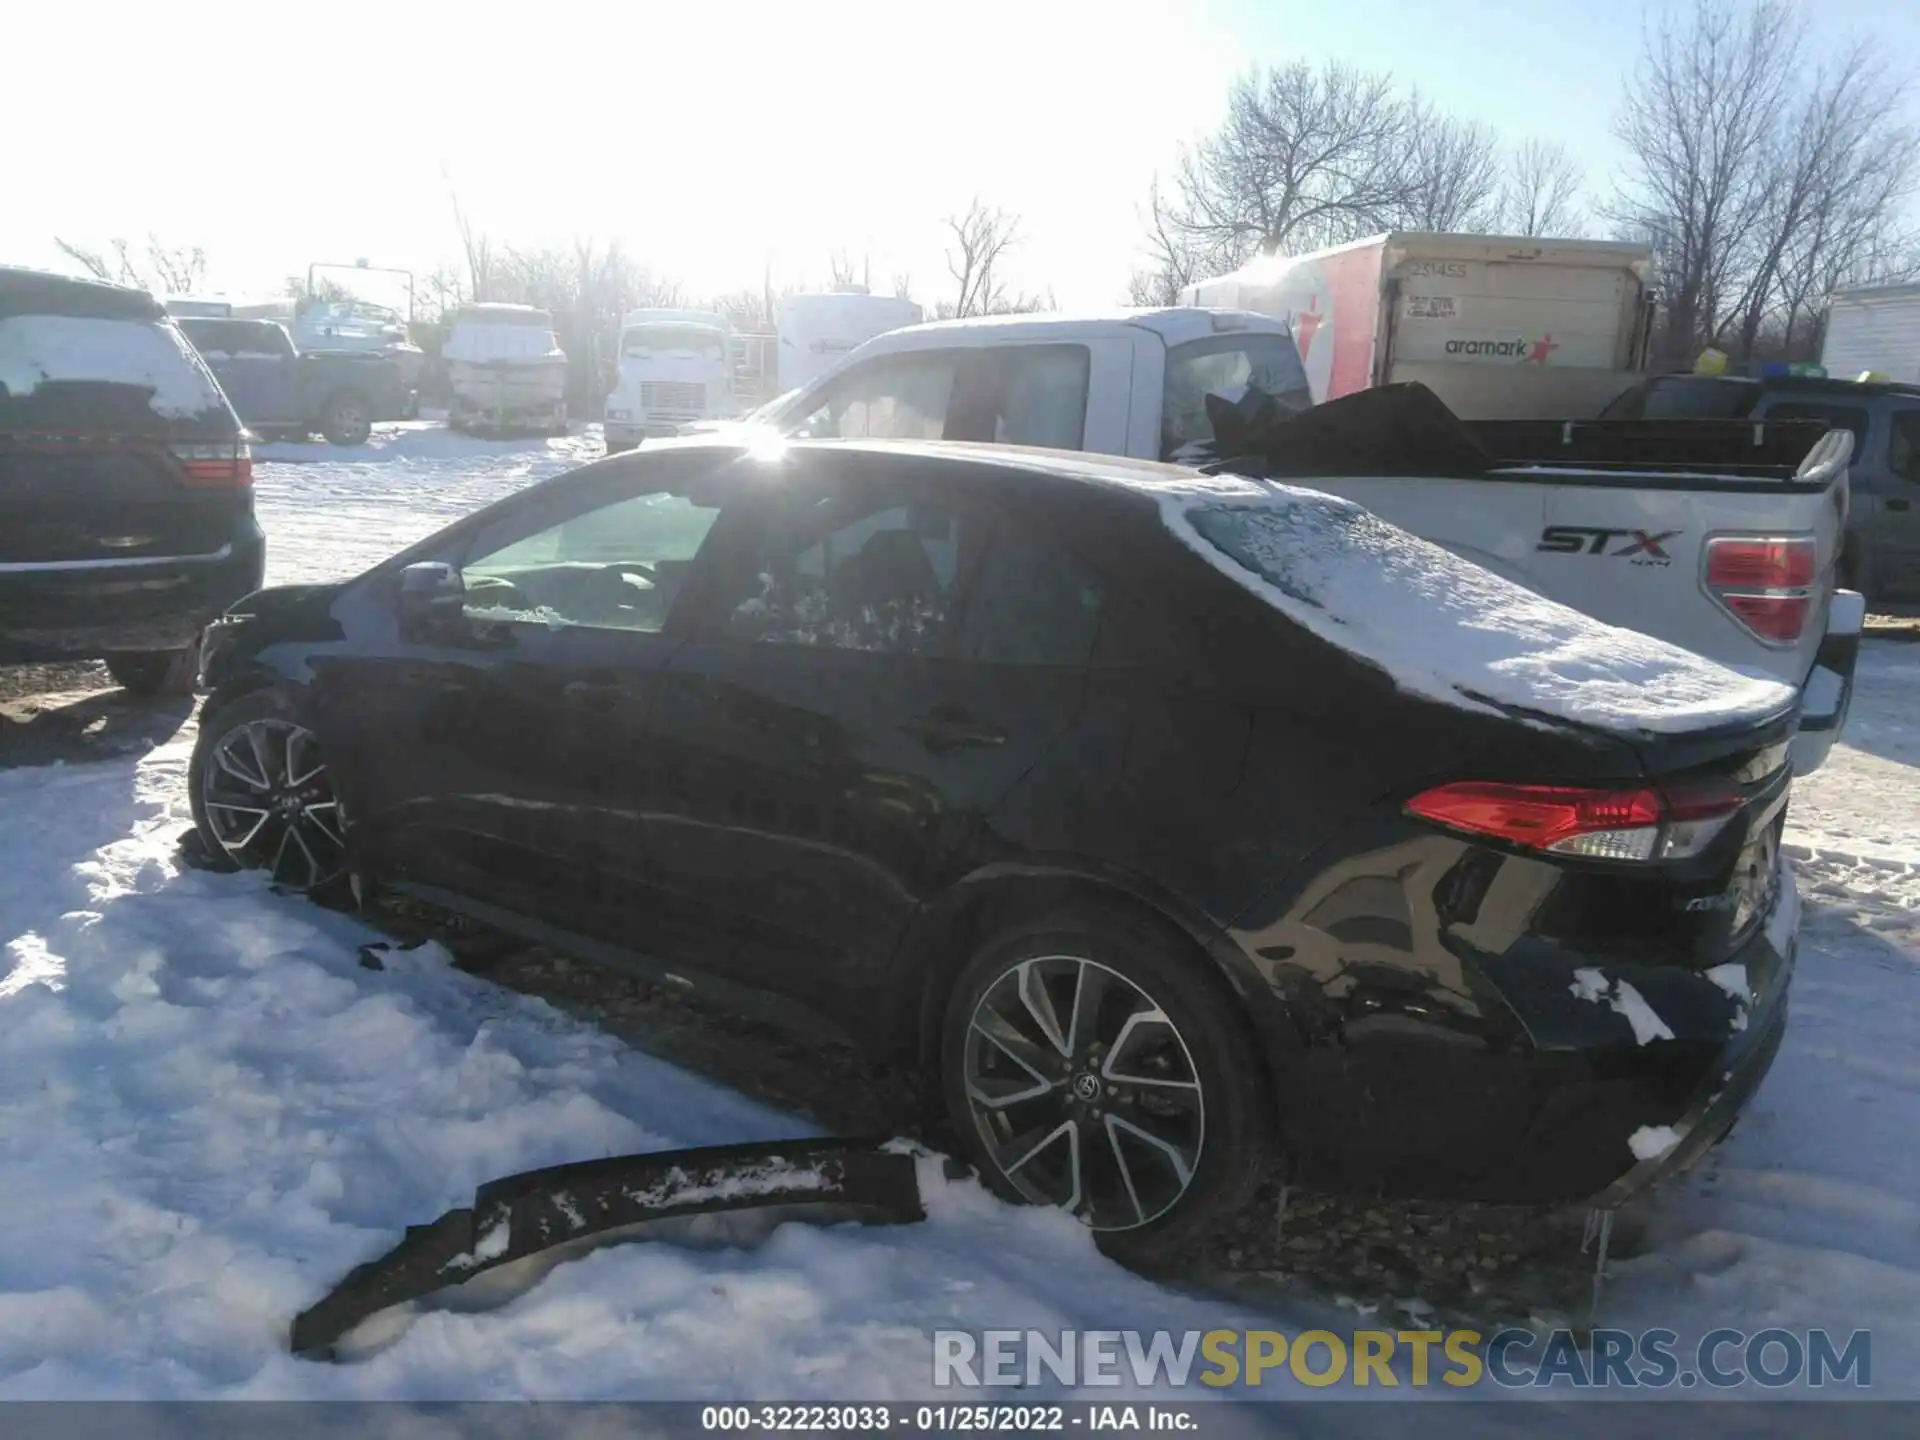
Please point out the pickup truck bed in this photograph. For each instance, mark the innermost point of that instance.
(1584, 513)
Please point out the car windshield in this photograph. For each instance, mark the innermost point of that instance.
(702, 340)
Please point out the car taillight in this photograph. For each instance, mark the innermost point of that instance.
(227, 466)
(1637, 824)
(1765, 584)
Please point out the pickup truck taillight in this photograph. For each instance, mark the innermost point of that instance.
(223, 466)
(1638, 824)
(1765, 584)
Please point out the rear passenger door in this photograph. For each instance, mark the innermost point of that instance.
(867, 683)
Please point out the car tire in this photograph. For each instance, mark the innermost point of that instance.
(155, 672)
(267, 802)
(1160, 1127)
(347, 420)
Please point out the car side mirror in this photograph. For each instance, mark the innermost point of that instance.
(432, 594)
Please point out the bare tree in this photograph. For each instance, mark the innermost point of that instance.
(981, 239)
(180, 269)
(1839, 175)
(91, 260)
(1172, 264)
(163, 269)
(1540, 191)
(1450, 179)
(1304, 158)
(475, 246)
(841, 273)
(1700, 121)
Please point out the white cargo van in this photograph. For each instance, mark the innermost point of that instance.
(816, 332)
(1500, 328)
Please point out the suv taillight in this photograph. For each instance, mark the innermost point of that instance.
(224, 466)
(1637, 824)
(1765, 584)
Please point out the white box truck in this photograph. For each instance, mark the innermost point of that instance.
(675, 368)
(1501, 328)
(1873, 329)
(816, 332)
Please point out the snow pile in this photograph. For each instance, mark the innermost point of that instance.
(331, 511)
(211, 1112)
(1443, 627)
(39, 349)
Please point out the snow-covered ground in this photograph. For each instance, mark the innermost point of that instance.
(210, 1111)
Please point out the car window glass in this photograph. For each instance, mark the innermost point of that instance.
(1903, 454)
(617, 567)
(1021, 395)
(1031, 604)
(849, 574)
(1225, 367)
(1840, 417)
(260, 339)
(901, 398)
(1690, 399)
(211, 338)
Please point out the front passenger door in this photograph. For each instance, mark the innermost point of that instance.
(494, 759)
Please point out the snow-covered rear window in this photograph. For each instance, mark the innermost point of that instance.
(36, 350)
(1450, 630)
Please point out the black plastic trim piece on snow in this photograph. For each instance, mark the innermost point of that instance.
(521, 1215)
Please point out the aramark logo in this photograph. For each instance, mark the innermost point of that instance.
(1527, 352)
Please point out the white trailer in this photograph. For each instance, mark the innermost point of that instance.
(816, 332)
(1873, 329)
(1500, 327)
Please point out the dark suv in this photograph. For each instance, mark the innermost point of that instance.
(1882, 554)
(126, 484)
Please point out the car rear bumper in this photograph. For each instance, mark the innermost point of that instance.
(1559, 1077)
(1621, 1111)
(1828, 692)
(83, 610)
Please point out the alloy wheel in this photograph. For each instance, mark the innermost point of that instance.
(270, 803)
(1084, 1092)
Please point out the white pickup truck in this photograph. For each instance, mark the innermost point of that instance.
(1727, 547)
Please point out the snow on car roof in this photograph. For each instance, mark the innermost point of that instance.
(1438, 624)
(1175, 324)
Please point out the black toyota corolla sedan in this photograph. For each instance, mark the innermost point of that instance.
(1138, 804)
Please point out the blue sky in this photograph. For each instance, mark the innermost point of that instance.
(721, 141)
(1553, 68)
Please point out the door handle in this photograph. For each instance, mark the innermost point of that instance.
(1894, 503)
(942, 730)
